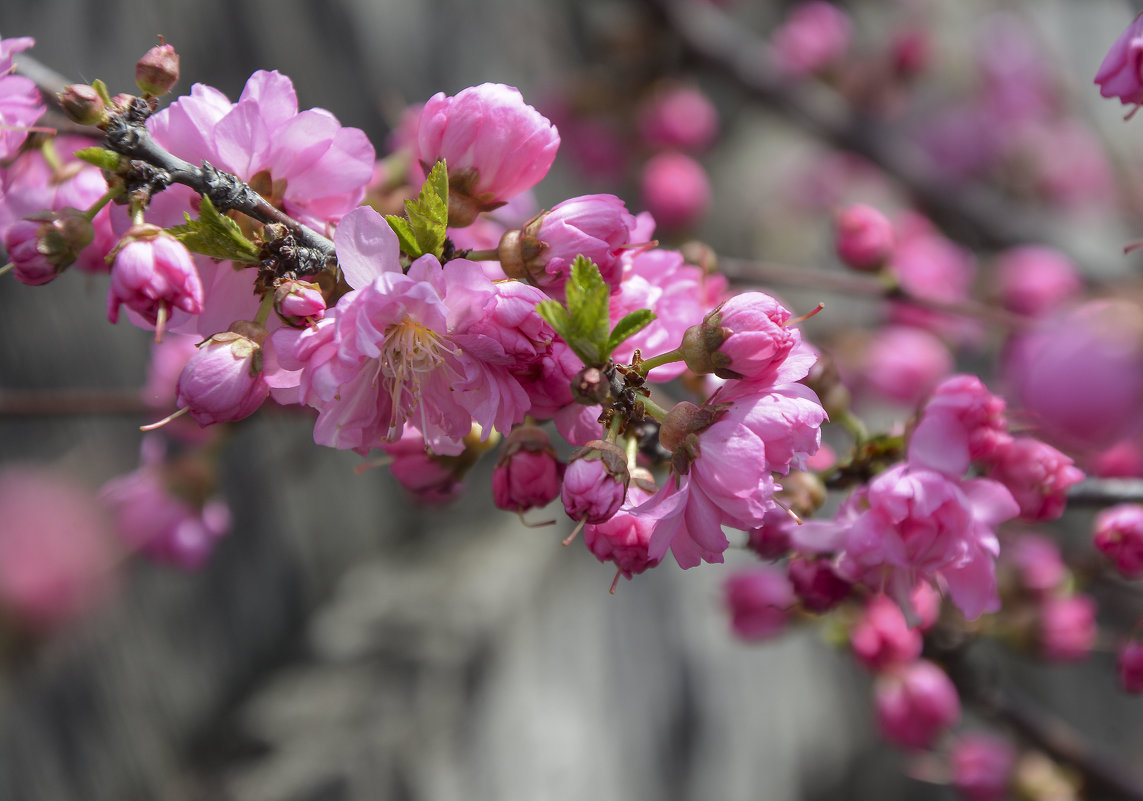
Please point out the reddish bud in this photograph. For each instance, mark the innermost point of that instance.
(82, 104)
(158, 70)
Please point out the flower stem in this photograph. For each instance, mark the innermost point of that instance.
(265, 309)
(98, 205)
(483, 255)
(654, 409)
(647, 365)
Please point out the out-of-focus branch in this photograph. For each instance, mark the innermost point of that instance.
(1102, 491)
(971, 212)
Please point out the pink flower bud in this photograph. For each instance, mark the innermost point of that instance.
(496, 146)
(864, 237)
(528, 473)
(817, 584)
(759, 601)
(299, 303)
(1119, 537)
(1039, 566)
(813, 36)
(981, 766)
(1130, 666)
(543, 251)
(1037, 475)
(675, 189)
(679, 117)
(222, 382)
(882, 638)
(157, 71)
(55, 555)
(42, 245)
(82, 104)
(1121, 73)
(746, 337)
(1067, 628)
(625, 539)
(430, 478)
(1036, 280)
(915, 704)
(152, 273)
(595, 482)
(904, 364)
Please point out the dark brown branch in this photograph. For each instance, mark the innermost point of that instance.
(1102, 491)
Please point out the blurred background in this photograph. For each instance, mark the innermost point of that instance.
(344, 643)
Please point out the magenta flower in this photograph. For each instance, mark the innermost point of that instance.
(1039, 567)
(299, 303)
(20, 101)
(1129, 663)
(675, 189)
(981, 766)
(915, 704)
(528, 474)
(817, 583)
(625, 538)
(1119, 537)
(864, 237)
(814, 36)
(961, 423)
(679, 117)
(222, 382)
(904, 364)
(595, 482)
(496, 146)
(305, 162)
(882, 638)
(153, 274)
(542, 252)
(29, 265)
(759, 601)
(1067, 628)
(1121, 73)
(931, 267)
(1035, 280)
(1037, 475)
(429, 479)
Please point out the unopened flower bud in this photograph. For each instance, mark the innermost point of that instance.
(1119, 537)
(82, 104)
(759, 601)
(882, 638)
(595, 482)
(158, 70)
(152, 273)
(1130, 667)
(915, 704)
(818, 585)
(625, 539)
(981, 766)
(864, 237)
(528, 473)
(42, 245)
(222, 381)
(675, 189)
(1067, 628)
(299, 303)
(746, 337)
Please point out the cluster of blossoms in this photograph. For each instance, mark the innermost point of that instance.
(421, 307)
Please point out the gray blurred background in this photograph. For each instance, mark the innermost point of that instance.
(344, 644)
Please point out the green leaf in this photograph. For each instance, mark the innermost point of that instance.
(630, 325)
(215, 235)
(556, 316)
(583, 323)
(405, 235)
(104, 159)
(428, 214)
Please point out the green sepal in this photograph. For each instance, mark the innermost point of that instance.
(103, 159)
(215, 235)
(425, 225)
(629, 326)
(101, 89)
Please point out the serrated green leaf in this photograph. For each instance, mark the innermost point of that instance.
(588, 295)
(556, 316)
(405, 236)
(215, 235)
(104, 159)
(630, 325)
(428, 214)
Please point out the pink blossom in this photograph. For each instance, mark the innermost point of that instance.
(595, 482)
(222, 382)
(303, 162)
(29, 265)
(1067, 628)
(771, 540)
(153, 517)
(1039, 566)
(299, 303)
(1130, 667)
(981, 766)
(915, 704)
(429, 478)
(625, 539)
(528, 474)
(1119, 537)
(543, 251)
(1076, 376)
(813, 36)
(496, 146)
(962, 422)
(1124, 459)
(864, 237)
(1037, 475)
(20, 101)
(679, 294)
(759, 601)
(904, 364)
(152, 274)
(678, 117)
(882, 638)
(675, 189)
(1036, 280)
(817, 584)
(55, 556)
(786, 418)
(1121, 73)
(931, 267)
